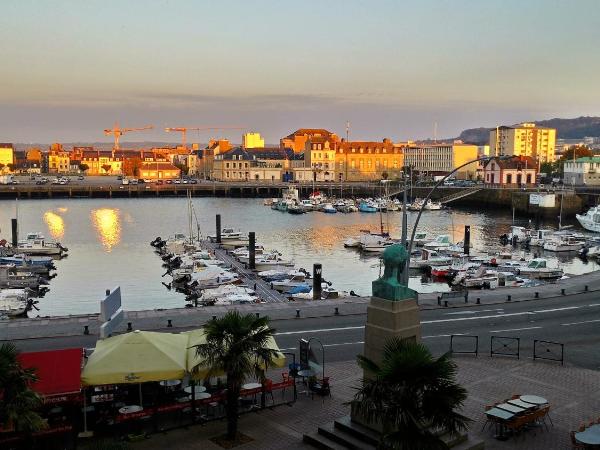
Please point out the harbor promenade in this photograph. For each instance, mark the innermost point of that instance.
(572, 393)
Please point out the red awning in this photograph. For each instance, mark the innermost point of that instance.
(58, 371)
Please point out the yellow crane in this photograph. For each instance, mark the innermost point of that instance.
(184, 130)
(117, 132)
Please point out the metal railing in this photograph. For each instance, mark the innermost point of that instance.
(505, 346)
(549, 350)
(464, 338)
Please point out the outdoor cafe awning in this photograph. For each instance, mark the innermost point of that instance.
(136, 357)
(58, 371)
(196, 337)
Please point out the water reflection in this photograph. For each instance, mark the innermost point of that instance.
(55, 224)
(108, 224)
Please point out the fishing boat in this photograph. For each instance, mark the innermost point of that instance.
(27, 260)
(440, 271)
(269, 261)
(441, 241)
(11, 279)
(378, 247)
(296, 208)
(539, 237)
(307, 205)
(429, 258)
(590, 220)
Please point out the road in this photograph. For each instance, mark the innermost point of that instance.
(573, 320)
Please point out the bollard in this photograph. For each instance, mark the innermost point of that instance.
(107, 292)
(562, 291)
(129, 327)
(586, 288)
(536, 294)
(214, 318)
(86, 329)
(446, 303)
(508, 298)
(337, 311)
(297, 313)
(257, 315)
(169, 323)
(439, 301)
(478, 301)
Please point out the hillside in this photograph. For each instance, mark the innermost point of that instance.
(577, 128)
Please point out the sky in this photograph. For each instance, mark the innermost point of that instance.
(71, 68)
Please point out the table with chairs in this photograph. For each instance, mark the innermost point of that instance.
(588, 435)
(517, 415)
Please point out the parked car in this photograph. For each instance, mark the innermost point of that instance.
(120, 177)
(193, 181)
(80, 177)
(169, 181)
(159, 181)
(177, 181)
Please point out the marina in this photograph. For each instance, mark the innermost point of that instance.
(108, 243)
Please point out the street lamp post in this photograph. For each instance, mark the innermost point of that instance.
(405, 274)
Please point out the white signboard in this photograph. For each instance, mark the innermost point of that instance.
(542, 200)
(111, 313)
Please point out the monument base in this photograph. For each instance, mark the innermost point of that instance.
(387, 319)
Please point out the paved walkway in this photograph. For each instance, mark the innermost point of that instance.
(574, 395)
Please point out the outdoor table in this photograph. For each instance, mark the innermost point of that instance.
(249, 386)
(534, 399)
(130, 409)
(521, 404)
(170, 383)
(590, 436)
(197, 390)
(510, 408)
(501, 414)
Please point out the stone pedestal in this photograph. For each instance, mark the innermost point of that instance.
(387, 319)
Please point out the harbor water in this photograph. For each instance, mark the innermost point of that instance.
(108, 241)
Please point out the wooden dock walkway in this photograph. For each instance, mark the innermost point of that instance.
(248, 277)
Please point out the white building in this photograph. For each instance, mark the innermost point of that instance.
(582, 171)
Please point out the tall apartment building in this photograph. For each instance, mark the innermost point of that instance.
(363, 161)
(252, 140)
(525, 139)
(441, 158)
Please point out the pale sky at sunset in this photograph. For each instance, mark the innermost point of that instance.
(392, 68)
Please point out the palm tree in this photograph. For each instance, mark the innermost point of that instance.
(17, 401)
(411, 395)
(236, 345)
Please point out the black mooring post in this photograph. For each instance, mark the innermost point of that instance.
(218, 228)
(317, 277)
(252, 250)
(15, 237)
(467, 239)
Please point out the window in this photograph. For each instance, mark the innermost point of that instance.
(353, 164)
(227, 166)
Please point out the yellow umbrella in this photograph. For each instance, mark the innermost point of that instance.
(136, 357)
(196, 337)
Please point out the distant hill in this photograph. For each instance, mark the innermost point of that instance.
(565, 129)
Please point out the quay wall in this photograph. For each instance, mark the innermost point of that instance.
(572, 201)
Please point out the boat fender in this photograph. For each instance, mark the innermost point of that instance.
(3, 243)
(493, 261)
(518, 271)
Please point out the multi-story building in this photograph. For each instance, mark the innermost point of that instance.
(582, 171)
(319, 157)
(363, 161)
(158, 170)
(206, 156)
(99, 162)
(439, 159)
(259, 164)
(516, 171)
(59, 160)
(7, 157)
(252, 140)
(297, 140)
(525, 139)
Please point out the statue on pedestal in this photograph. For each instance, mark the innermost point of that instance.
(389, 286)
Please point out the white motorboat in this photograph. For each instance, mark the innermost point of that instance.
(416, 205)
(539, 237)
(287, 284)
(538, 268)
(429, 258)
(225, 290)
(37, 244)
(307, 205)
(481, 278)
(432, 206)
(519, 233)
(441, 241)
(367, 238)
(420, 239)
(226, 234)
(590, 252)
(245, 257)
(564, 244)
(590, 220)
(378, 247)
(328, 208)
(14, 302)
(270, 261)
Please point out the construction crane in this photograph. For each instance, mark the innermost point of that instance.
(117, 132)
(184, 130)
